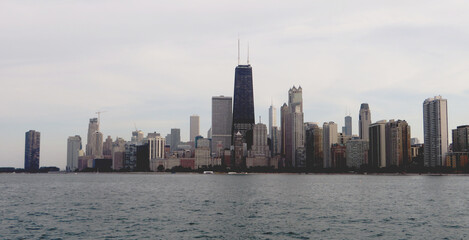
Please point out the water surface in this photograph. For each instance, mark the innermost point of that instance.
(257, 206)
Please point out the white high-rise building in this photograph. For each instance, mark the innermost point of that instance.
(435, 131)
(222, 117)
(194, 127)
(73, 150)
(329, 136)
(364, 121)
(272, 119)
(156, 147)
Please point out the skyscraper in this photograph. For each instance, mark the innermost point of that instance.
(93, 126)
(194, 127)
(272, 119)
(73, 148)
(260, 146)
(175, 138)
(107, 146)
(293, 129)
(364, 121)
(461, 139)
(398, 151)
(377, 141)
(313, 145)
(221, 122)
(97, 145)
(32, 151)
(243, 104)
(347, 130)
(330, 136)
(435, 131)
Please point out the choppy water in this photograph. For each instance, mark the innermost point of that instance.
(262, 206)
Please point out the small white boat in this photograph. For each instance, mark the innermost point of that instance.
(237, 173)
(208, 172)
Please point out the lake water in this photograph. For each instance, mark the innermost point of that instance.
(257, 206)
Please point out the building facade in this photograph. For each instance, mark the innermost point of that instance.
(398, 151)
(347, 130)
(377, 145)
(435, 131)
(93, 127)
(461, 139)
(194, 127)
(293, 129)
(313, 146)
(330, 137)
(175, 139)
(73, 149)
(272, 119)
(243, 104)
(221, 122)
(357, 153)
(32, 151)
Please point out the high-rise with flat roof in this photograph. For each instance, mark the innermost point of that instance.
(221, 122)
(364, 121)
(377, 148)
(330, 137)
(175, 138)
(243, 104)
(313, 145)
(194, 127)
(435, 131)
(73, 149)
(398, 151)
(461, 139)
(32, 151)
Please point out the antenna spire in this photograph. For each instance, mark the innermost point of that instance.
(238, 49)
(248, 53)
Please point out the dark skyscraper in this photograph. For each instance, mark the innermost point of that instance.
(243, 104)
(347, 130)
(31, 151)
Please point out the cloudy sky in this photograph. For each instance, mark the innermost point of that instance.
(154, 63)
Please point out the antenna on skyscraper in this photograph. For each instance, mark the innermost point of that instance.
(238, 49)
(248, 53)
(260, 119)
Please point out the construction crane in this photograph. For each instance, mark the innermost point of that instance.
(99, 117)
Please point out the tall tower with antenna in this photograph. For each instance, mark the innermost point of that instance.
(243, 104)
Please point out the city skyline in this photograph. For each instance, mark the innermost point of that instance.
(341, 59)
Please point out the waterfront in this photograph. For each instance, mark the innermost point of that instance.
(254, 206)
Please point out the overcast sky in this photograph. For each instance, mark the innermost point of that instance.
(154, 63)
